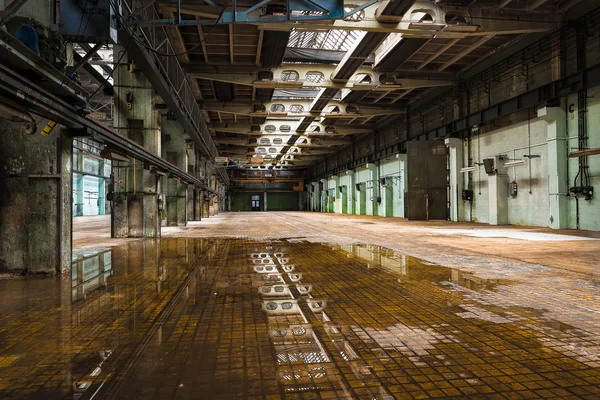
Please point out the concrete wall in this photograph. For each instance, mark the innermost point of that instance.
(530, 206)
(364, 201)
(589, 211)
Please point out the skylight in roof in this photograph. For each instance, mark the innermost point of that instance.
(342, 40)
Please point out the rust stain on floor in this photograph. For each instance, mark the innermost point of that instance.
(243, 319)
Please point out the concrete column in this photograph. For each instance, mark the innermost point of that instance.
(557, 164)
(402, 182)
(374, 177)
(337, 205)
(266, 201)
(135, 201)
(498, 194)
(351, 192)
(174, 150)
(323, 196)
(36, 200)
(455, 146)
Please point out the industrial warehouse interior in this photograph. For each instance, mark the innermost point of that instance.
(299, 199)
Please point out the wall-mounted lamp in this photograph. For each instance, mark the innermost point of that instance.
(516, 163)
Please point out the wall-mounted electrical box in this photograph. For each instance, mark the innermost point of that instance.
(100, 22)
(488, 164)
(467, 195)
(513, 189)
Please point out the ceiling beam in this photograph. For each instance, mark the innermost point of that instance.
(181, 54)
(261, 35)
(356, 83)
(231, 55)
(533, 4)
(203, 43)
(463, 53)
(438, 53)
(480, 26)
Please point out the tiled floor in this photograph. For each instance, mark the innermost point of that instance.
(226, 318)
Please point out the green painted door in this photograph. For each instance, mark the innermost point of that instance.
(363, 199)
(330, 200)
(344, 199)
(284, 201)
(389, 201)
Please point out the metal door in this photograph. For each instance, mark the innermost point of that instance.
(344, 199)
(362, 196)
(255, 201)
(427, 180)
(389, 201)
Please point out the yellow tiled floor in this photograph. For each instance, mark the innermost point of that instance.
(229, 318)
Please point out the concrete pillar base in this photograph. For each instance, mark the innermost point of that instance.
(35, 228)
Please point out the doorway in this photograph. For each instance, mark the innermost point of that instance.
(362, 198)
(255, 202)
(427, 180)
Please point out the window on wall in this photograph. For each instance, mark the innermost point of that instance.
(277, 108)
(270, 128)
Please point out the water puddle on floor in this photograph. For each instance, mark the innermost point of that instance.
(231, 318)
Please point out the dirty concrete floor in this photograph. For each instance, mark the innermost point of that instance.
(309, 306)
(446, 243)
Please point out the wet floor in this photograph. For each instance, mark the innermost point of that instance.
(291, 319)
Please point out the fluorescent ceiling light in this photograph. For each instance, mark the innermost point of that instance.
(468, 169)
(516, 163)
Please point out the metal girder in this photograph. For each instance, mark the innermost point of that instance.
(245, 128)
(309, 142)
(438, 53)
(14, 54)
(87, 56)
(344, 113)
(295, 10)
(464, 52)
(48, 105)
(10, 10)
(355, 83)
(481, 26)
(533, 4)
(288, 108)
(168, 79)
(87, 48)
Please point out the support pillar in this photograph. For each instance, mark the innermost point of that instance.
(402, 183)
(498, 194)
(455, 146)
(374, 178)
(351, 192)
(557, 164)
(174, 150)
(337, 203)
(36, 200)
(323, 196)
(135, 200)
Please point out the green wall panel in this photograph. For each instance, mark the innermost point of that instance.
(283, 201)
(240, 201)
